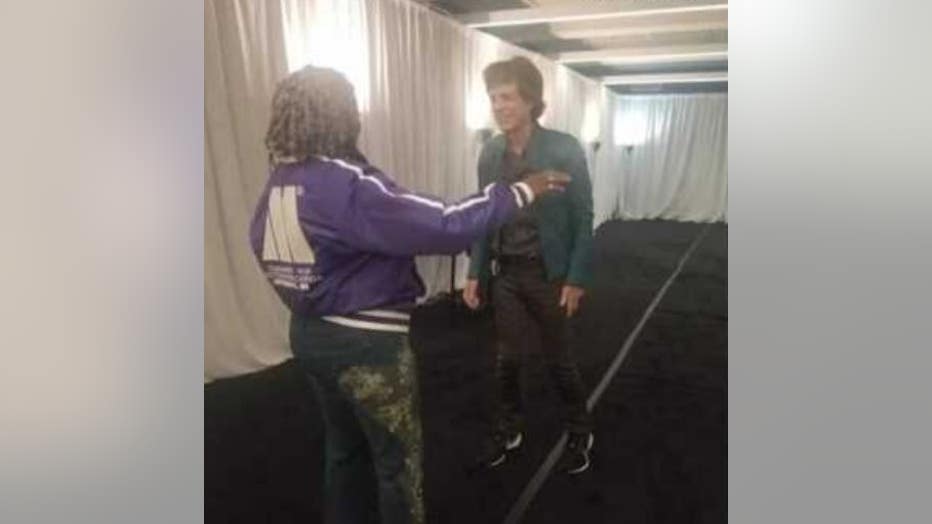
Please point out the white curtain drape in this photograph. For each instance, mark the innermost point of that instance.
(416, 127)
(667, 158)
(244, 321)
(418, 79)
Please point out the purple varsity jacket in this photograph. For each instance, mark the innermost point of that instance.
(337, 239)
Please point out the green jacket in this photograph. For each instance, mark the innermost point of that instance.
(564, 219)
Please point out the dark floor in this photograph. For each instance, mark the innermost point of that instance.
(660, 452)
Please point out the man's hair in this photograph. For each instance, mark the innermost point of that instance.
(524, 74)
(313, 114)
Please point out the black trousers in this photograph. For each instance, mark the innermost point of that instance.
(524, 300)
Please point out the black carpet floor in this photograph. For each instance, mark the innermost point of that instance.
(660, 454)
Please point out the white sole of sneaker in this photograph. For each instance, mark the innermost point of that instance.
(580, 469)
(514, 443)
(497, 461)
(589, 442)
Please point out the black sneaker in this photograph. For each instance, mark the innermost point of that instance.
(575, 457)
(497, 447)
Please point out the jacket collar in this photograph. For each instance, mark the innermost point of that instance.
(533, 145)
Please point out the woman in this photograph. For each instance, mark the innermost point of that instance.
(336, 237)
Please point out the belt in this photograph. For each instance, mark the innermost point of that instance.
(518, 260)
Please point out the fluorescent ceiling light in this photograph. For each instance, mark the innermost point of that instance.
(544, 15)
(672, 78)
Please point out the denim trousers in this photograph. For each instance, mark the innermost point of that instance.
(366, 386)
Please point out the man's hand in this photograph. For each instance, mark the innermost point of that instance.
(541, 182)
(471, 293)
(570, 297)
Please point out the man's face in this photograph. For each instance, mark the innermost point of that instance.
(510, 110)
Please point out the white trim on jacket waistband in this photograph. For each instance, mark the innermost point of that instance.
(384, 313)
(363, 324)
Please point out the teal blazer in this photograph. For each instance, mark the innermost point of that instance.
(564, 219)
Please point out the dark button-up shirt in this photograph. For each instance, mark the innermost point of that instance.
(519, 237)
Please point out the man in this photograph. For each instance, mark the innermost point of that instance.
(543, 258)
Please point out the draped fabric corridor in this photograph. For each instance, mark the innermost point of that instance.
(418, 79)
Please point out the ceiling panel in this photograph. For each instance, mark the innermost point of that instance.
(602, 30)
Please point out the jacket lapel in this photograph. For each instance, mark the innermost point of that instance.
(535, 150)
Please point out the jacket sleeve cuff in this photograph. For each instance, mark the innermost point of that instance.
(523, 194)
(578, 279)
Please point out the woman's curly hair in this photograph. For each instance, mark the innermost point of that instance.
(313, 114)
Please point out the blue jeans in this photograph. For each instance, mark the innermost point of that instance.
(366, 385)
